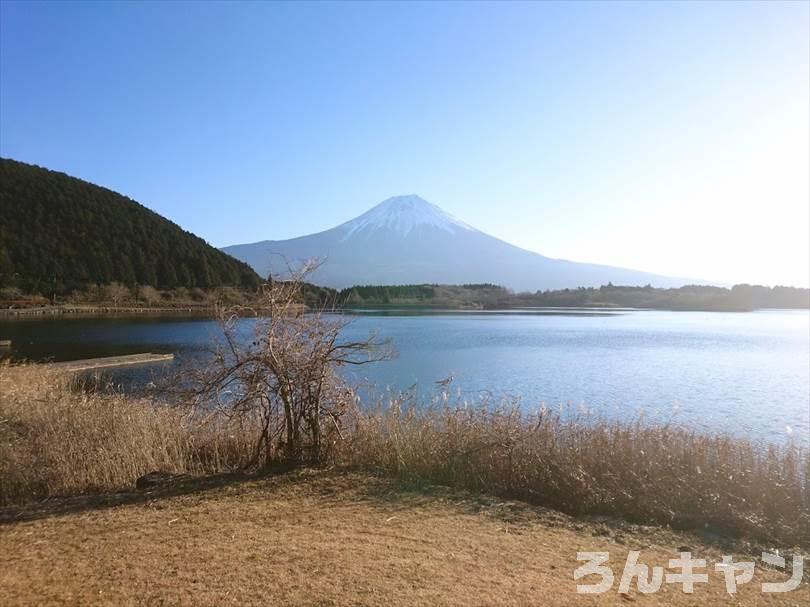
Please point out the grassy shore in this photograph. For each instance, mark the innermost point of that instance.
(57, 439)
(641, 472)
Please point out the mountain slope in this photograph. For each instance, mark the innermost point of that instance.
(59, 232)
(407, 240)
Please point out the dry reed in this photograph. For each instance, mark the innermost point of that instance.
(636, 471)
(57, 439)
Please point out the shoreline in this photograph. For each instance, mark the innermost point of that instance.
(71, 310)
(78, 311)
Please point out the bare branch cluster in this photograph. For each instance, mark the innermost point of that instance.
(280, 363)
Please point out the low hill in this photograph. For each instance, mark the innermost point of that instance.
(59, 233)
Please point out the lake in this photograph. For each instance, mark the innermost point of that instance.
(745, 373)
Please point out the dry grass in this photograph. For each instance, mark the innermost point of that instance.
(639, 472)
(56, 439)
(320, 538)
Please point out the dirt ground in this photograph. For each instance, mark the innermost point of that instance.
(331, 538)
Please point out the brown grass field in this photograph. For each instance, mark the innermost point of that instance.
(328, 538)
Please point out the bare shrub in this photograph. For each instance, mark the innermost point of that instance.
(181, 295)
(116, 293)
(198, 295)
(282, 365)
(9, 293)
(230, 296)
(150, 295)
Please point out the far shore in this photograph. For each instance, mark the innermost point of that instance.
(92, 310)
(119, 299)
(69, 311)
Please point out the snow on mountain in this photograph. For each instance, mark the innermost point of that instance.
(407, 240)
(401, 214)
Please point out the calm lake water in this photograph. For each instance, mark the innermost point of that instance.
(746, 373)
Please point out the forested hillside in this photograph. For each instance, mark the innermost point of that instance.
(59, 233)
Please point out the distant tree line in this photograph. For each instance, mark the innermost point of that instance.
(488, 296)
(59, 234)
(691, 297)
(386, 294)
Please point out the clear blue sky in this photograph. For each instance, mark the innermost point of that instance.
(666, 137)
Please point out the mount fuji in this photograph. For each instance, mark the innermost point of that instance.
(407, 240)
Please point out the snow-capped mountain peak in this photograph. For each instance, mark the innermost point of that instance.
(401, 214)
(407, 240)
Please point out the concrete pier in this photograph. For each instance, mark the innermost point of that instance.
(106, 362)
